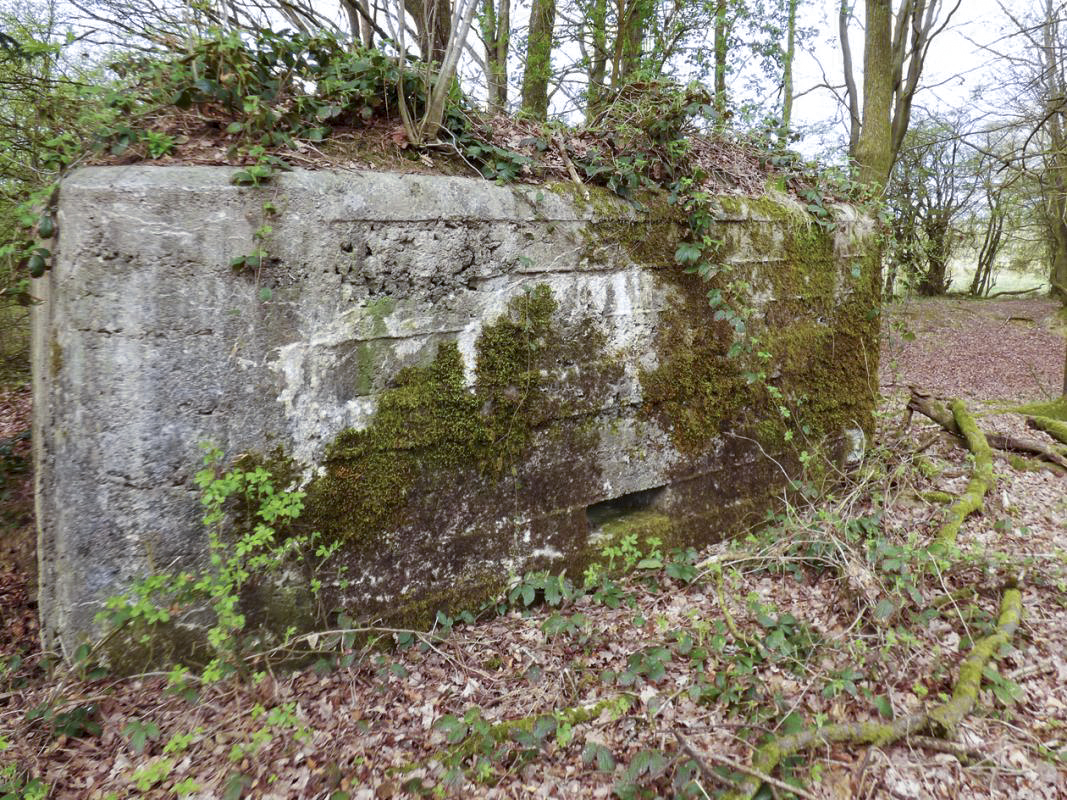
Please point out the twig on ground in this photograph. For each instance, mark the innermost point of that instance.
(965, 755)
(763, 777)
(702, 765)
(944, 717)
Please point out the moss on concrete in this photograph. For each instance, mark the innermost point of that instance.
(695, 390)
(418, 610)
(819, 328)
(766, 207)
(55, 353)
(432, 430)
(643, 524)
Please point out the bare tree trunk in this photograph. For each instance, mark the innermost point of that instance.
(874, 148)
(359, 22)
(890, 45)
(935, 280)
(538, 70)
(721, 34)
(496, 30)
(1054, 181)
(987, 256)
(433, 23)
(632, 35)
(855, 123)
(787, 72)
(598, 60)
(458, 29)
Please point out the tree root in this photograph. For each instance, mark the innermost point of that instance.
(926, 405)
(1053, 427)
(942, 719)
(981, 477)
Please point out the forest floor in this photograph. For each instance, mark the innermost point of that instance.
(658, 683)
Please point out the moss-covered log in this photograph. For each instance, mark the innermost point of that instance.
(948, 715)
(981, 477)
(942, 718)
(1053, 427)
(503, 731)
(929, 407)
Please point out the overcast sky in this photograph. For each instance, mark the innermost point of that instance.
(956, 69)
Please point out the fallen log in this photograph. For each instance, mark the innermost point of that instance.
(1016, 292)
(981, 476)
(942, 719)
(1053, 427)
(929, 407)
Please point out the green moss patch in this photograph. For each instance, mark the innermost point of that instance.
(432, 430)
(1055, 428)
(644, 525)
(695, 390)
(818, 333)
(1056, 409)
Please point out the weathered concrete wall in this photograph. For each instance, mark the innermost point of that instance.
(472, 377)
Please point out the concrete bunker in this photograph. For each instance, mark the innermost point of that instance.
(470, 380)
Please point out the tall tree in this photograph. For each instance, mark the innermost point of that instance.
(1053, 178)
(634, 18)
(538, 71)
(992, 241)
(594, 47)
(787, 70)
(933, 184)
(895, 49)
(721, 43)
(496, 34)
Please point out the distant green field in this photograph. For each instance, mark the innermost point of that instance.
(1007, 280)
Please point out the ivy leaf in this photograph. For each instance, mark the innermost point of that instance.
(687, 253)
(454, 729)
(552, 593)
(235, 786)
(885, 708)
(594, 752)
(885, 609)
(327, 112)
(140, 733)
(544, 726)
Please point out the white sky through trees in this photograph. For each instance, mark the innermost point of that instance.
(959, 73)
